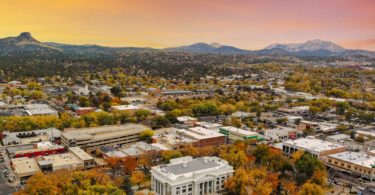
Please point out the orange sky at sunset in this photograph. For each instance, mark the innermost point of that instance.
(248, 24)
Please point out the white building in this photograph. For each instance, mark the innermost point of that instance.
(280, 133)
(316, 147)
(356, 163)
(40, 109)
(188, 176)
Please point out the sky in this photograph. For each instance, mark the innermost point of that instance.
(247, 24)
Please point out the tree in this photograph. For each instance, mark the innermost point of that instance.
(142, 114)
(310, 189)
(235, 121)
(137, 178)
(146, 135)
(170, 154)
(71, 182)
(306, 165)
(159, 122)
(116, 91)
(319, 177)
(341, 108)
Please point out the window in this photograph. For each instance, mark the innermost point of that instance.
(184, 189)
(178, 190)
(190, 187)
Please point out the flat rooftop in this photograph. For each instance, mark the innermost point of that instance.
(197, 164)
(240, 131)
(313, 144)
(25, 166)
(65, 159)
(358, 158)
(199, 133)
(103, 132)
(209, 125)
(187, 166)
(80, 153)
(126, 107)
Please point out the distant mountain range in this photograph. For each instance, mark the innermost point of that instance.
(25, 44)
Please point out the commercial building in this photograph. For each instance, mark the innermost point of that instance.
(366, 132)
(209, 126)
(130, 108)
(88, 161)
(75, 159)
(103, 136)
(187, 121)
(33, 150)
(338, 138)
(234, 133)
(316, 147)
(25, 167)
(188, 176)
(317, 126)
(196, 136)
(39, 109)
(203, 136)
(280, 133)
(356, 163)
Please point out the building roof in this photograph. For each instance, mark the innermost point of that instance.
(209, 125)
(186, 118)
(199, 133)
(281, 128)
(81, 154)
(340, 136)
(313, 144)
(25, 166)
(126, 107)
(358, 158)
(64, 159)
(187, 166)
(197, 164)
(239, 131)
(103, 132)
(116, 154)
(39, 109)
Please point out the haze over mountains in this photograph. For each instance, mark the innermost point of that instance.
(25, 44)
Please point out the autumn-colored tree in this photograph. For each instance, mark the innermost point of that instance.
(238, 184)
(235, 155)
(297, 155)
(290, 187)
(252, 181)
(114, 162)
(262, 181)
(311, 189)
(319, 177)
(138, 178)
(71, 182)
(146, 135)
(170, 154)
